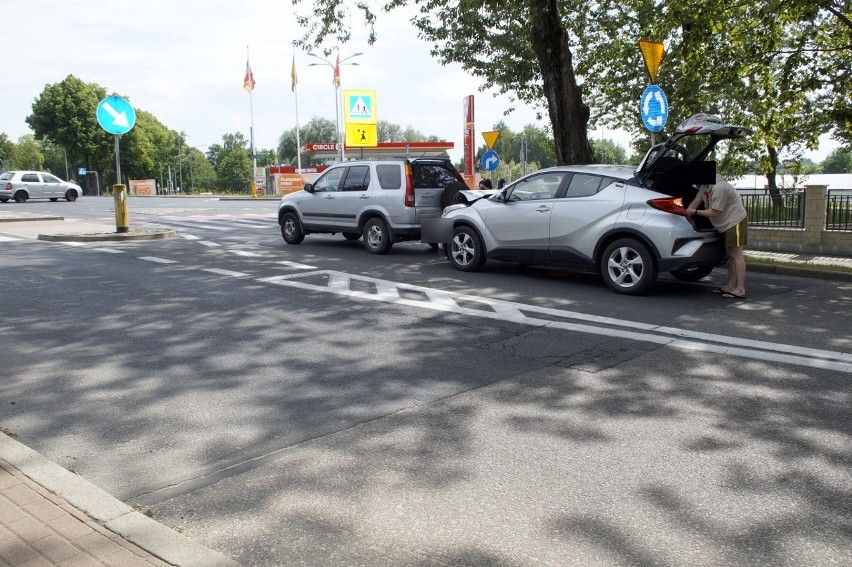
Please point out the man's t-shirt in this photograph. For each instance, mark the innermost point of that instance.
(724, 198)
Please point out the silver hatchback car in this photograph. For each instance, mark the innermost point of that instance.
(23, 185)
(627, 224)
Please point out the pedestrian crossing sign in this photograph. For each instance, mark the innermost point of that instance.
(359, 107)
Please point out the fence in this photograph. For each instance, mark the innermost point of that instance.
(813, 221)
(838, 212)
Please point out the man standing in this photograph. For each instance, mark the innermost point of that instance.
(724, 207)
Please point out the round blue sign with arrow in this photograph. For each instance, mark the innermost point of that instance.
(115, 115)
(654, 108)
(490, 160)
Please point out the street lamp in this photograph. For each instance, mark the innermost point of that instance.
(336, 88)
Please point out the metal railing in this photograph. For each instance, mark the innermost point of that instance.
(786, 210)
(838, 209)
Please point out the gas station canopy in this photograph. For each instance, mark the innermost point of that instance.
(382, 150)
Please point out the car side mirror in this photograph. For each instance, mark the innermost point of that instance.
(500, 197)
(309, 187)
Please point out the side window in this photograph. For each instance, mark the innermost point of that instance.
(583, 185)
(49, 178)
(390, 176)
(29, 178)
(543, 186)
(357, 178)
(330, 180)
(432, 175)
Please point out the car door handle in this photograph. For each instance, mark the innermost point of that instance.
(329, 196)
(364, 197)
(542, 209)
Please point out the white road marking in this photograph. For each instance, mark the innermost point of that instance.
(110, 250)
(296, 265)
(447, 301)
(189, 237)
(71, 243)
(156, 260)
(244, 253)
(8, 239)
(224, 272)
(208, 243)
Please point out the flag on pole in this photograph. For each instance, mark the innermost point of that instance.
(248, 81)
(336, 80)
(293, 75)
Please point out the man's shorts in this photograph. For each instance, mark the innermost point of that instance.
(737, 235)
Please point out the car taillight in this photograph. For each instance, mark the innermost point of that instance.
(409, 186)
(673, 205)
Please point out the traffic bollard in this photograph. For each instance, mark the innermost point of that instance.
(122, 221)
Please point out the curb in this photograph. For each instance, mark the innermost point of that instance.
(797, 272)
(138, 234)
(116, 516)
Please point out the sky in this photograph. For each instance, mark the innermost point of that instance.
(184, 62)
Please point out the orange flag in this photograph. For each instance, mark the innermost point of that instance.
(248, 81)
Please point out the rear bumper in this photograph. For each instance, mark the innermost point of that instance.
(695, 253)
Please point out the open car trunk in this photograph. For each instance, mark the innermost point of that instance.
(676, 166)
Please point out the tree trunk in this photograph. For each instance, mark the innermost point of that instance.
(771, 182)
(568, 115)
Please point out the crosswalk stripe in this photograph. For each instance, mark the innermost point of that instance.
(221, 272)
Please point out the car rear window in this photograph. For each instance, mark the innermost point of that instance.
(390, 176)
(433, 175)
(6, 175)
(29, 178)
(583, 185)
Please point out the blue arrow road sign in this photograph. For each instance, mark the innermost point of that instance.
(115, 115)
(490, 160)
(654, 108)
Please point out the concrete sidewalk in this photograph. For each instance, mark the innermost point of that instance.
(50, 516)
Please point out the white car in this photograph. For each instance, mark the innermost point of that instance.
(23, 185)
(624, 223)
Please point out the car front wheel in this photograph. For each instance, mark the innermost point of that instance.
(71, 195)
(466, 252)
(377, 239)
(628, 267)
(291, 229)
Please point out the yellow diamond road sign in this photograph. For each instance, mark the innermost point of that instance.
(490, 138)
(652, 53)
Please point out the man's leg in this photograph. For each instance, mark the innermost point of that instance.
(736, 271)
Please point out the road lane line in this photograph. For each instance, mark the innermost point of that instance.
(110, 250)
(156, 260)
(221, 272)
(296, 265)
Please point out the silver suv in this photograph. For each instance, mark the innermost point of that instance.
(627, 224)
(383, 201)
(23, 185)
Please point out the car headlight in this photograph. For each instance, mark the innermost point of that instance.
(452, 208)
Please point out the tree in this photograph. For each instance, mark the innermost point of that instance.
(838, 161)
(28, 154)
(317, 130)
(64, 114)
(233, 163)
(7, 152)
(607, 151)
(521, 33)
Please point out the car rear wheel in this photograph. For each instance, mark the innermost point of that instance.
(71, 195)
(628, 267)
(377, 239)
(466, 252)
(351, 235)
(692, 274)
(291, 229)
(21, 197)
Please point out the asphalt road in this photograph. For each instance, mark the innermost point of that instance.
(319, 405)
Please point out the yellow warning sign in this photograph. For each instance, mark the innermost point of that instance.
(490, 138)
(362, 135)
(652, 53)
